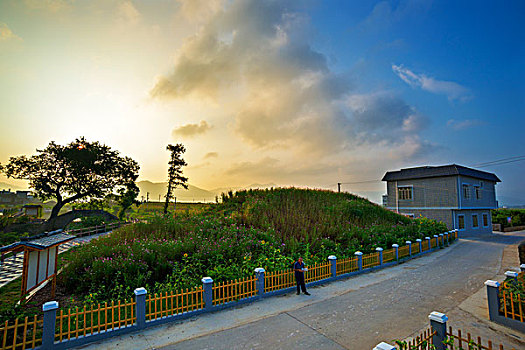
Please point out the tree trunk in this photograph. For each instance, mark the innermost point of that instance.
(168, 195)
(56, 210)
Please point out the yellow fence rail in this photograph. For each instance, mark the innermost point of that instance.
(389, 255)
(278, 280)
(346, 265)
(421, 342)
(88, 321)
(415, 248)
(317, 272)
(425, 245)
(370, 260)
(224, 292)
(22, 334)
(173, 303)
(404, 251)
(470, 342)
(433, 243)
(512, 302)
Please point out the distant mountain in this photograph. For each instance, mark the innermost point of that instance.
(193, 193)
(510, 202)
(220, 190)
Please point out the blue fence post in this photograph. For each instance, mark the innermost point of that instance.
(48, 332)
(409, 244)
(333, 265)
(447, 235)
(438, 323)
(396, 249)
(384, 346)
(428, 241)
(420, 243)
(493, 298)
(380, 251)
(442, 240)
(259, 283)
(437, 241)
(359, 260)
(140, 306)
(207, 286)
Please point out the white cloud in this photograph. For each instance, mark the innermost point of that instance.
(452, 90)
(7, 34)
(464, 124)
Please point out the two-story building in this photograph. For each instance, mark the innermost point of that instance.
(458, 196)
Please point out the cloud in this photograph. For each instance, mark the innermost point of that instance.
(127, 13)
(211, 155)
(452, 90)
(464, 124)
(256, 61)
(6, 34)
(190, 130)
(49, 5)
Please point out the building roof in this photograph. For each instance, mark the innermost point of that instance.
(40, 242)
(437, 171)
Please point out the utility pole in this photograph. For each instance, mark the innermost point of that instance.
(338, 187)
(159, 197)
(147, 197)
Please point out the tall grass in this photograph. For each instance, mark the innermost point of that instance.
(249, 229)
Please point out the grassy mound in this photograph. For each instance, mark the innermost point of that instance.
(249, 229)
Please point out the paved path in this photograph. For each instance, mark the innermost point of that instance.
(11, 267)
(356, 313)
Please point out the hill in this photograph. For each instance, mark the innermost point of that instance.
(249, 229)
(156, 189)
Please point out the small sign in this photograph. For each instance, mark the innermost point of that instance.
(509, 219)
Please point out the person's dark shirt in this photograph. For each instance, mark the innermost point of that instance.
(298, 266)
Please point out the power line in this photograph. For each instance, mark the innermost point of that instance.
(502, 161)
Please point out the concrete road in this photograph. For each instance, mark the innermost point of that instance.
(357, 313)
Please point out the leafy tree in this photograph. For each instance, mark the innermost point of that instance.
(175, 177)
(127, 197)
(79, 170)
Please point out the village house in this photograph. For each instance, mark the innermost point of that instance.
(458, 196)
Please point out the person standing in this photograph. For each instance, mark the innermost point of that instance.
(299, 270)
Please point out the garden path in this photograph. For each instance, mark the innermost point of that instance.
(11, 267)
(356, 313)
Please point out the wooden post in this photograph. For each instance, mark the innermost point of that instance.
(24, 275)
(54, 286)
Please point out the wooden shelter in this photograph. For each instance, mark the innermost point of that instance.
(40, 258)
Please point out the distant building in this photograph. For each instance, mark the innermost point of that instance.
(33, 210)
(458, 196)
(14, 198)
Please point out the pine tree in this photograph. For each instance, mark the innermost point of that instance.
(175, 177)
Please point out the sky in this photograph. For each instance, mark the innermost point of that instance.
(293, 93)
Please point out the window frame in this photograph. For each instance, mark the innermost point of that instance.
(464, 223)
(483, 217)
(466, 194)
(411, 187)
(478, 192)
(477, 221)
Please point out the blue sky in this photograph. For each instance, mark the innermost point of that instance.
(294, 93)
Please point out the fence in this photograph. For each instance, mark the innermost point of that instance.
(25, 334)
(61, 329)
(88, 231)
(507, 302)
(438, 337)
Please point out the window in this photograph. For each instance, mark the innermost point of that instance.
(466, 192)
(478, 192)
(461, 222)
(475, 221)
(485, 220)
(404, 192)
